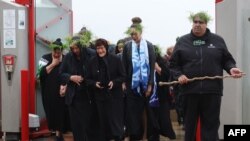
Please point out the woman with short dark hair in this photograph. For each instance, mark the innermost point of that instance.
(105, 77)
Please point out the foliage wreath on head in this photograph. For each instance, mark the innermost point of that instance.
(202, 15)
(84, 39)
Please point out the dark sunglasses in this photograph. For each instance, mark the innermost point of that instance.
(133, 33)
(200, 22)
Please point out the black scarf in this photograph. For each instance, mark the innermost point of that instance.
(103, 71)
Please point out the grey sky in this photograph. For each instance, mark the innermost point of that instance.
(163, 20)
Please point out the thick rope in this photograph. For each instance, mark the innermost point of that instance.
(198, 78)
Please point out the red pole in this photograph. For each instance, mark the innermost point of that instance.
(31, 37)
(24, 106)
(32, 55)
(198, 130)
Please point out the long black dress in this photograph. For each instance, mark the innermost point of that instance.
(166, 128)
(109, 103)
(77, 97)
(54, 106)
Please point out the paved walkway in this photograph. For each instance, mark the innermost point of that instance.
(178, 130)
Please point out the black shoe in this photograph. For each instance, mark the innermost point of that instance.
(59, 138)
(154, 138)
(118, 138)
(52, 133)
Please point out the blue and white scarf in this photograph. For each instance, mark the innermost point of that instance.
(141, 69)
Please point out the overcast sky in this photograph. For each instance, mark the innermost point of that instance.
(163, 20)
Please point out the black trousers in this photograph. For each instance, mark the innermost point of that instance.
(207, 107)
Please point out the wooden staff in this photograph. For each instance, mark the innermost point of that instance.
(198, 78)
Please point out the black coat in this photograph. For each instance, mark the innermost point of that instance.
(54, 106)
(70, 66)
(115, 73)
(163, 91)
(201, 56)
(127, 62)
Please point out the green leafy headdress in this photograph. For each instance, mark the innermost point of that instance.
(136, 26)
(202, 15)
(57, 44)
(82, 39)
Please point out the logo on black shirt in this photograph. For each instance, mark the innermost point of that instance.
(211, 46)
(198, 42)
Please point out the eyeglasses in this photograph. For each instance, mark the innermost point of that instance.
(133, 33)
(200, 22)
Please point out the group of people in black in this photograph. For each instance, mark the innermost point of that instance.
(113, 96)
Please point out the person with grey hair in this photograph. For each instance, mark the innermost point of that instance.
(197, 54)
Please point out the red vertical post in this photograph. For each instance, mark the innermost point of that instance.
(32, 67)
(24, 106)
(31, 42)
(198, 130)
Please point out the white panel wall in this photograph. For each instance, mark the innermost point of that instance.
(232, 25)
(46, 11)
(10, 91)
(246, 64)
